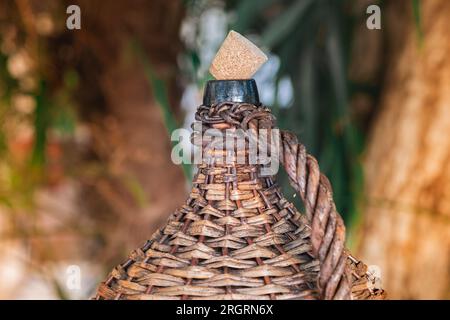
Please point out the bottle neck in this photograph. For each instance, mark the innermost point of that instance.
(240, 136)
(219, 91)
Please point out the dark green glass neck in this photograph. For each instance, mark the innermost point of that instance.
(218, 91)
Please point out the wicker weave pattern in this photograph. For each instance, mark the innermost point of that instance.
(237, 237)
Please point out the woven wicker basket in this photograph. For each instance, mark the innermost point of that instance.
(237, 237)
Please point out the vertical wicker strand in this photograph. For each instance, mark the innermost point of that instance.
(227, 228)
(270, 182)
(194, 261)
(249, 241)
(165, 237)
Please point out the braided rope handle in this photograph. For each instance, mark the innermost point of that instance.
(327, 226)
(337, 266)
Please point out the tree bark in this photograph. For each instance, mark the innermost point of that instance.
(130, 135)
(406, 227)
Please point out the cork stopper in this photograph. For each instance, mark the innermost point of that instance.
(237, 58)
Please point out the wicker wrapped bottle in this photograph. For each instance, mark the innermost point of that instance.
(237, 237)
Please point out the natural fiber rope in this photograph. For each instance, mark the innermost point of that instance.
(327, 226)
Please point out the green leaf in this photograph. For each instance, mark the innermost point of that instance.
(247, 12)
(41, 124)
(159, 89)
(65, 120)
(71, 79)
(284, 24)
(418, 20)
(309, 111)
(337, 65)
(137, 191)
(59, 289)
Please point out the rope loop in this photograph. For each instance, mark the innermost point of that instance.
(327, 226)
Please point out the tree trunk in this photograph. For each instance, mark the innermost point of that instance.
(406, 228)
(122, 182)
(130, 134)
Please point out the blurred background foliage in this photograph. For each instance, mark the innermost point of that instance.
(86, 116)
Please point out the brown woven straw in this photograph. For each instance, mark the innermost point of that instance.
(237, 237)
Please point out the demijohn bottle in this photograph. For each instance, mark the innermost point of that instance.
(236, 236)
